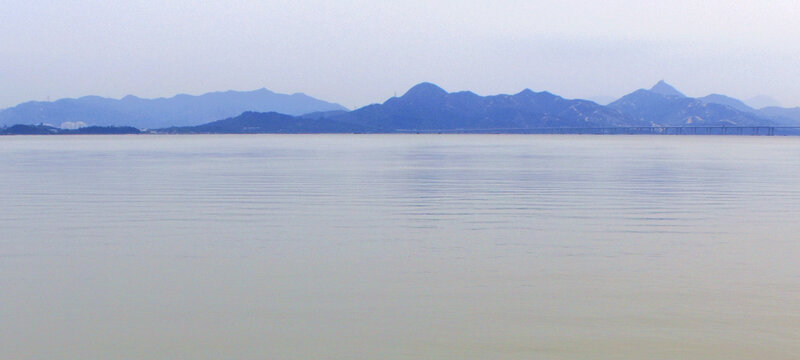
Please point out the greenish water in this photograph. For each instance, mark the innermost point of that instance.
(399, 247)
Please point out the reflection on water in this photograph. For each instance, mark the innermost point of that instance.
(399, 247)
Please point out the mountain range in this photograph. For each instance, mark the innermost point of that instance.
(270, 122)
(428, 108)
(662, 105)
(179, 110)
(424, 108)
(49, 130)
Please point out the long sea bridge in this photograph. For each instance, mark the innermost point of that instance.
(635, 130)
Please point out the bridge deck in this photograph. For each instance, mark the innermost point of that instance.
(637, 130)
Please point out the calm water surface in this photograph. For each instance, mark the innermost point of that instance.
(399, 247)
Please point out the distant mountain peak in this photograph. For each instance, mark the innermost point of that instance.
(727, 101)
(525, 92)
(425, 89)
(659, 109)
(762, 101)
(179, 110)
(666, 89)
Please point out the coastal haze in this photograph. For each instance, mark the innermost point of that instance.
(425, 107)
(358, 52)
(179, 110)
(399, 247)
(368, 180)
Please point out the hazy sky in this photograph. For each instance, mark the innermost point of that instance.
(359, 52)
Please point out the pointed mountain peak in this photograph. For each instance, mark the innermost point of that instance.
(425, 89)
(666, 89)
(526, 92)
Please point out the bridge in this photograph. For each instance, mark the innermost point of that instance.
(630, 130)
(669, 130)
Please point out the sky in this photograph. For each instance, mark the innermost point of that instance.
(358, 52)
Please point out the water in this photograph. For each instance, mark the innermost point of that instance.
(399, 247)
